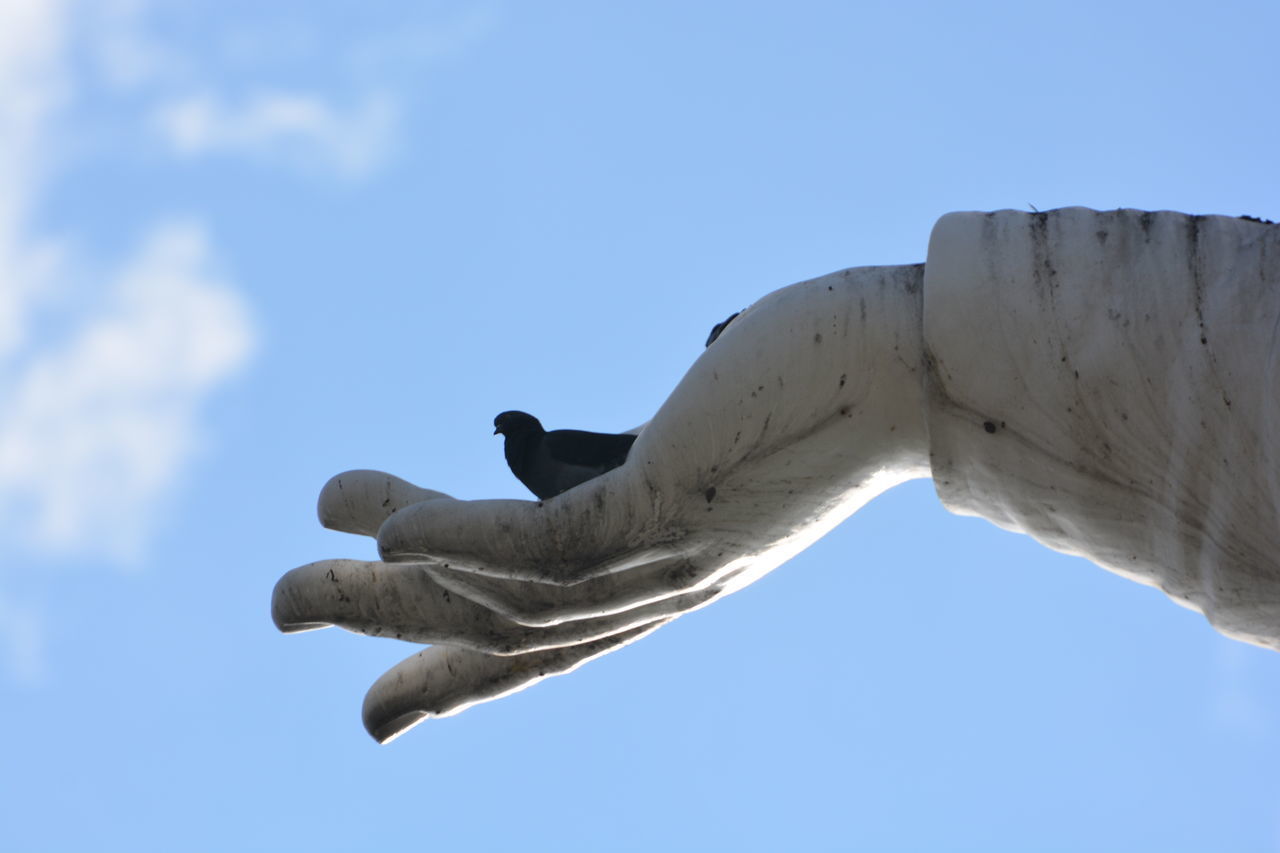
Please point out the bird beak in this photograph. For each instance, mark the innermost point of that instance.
(496, 430)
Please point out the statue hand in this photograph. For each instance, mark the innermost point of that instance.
(807, 406)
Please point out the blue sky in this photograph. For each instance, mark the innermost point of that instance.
(246, 246)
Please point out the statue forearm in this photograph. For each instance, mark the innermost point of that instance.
(1109, 382)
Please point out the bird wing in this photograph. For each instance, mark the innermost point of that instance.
(590, 449)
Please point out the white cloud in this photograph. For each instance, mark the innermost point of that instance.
(95, 428)
(99, 421)
(32, 88)
(94, 431)
(96, 425)
(284, 128)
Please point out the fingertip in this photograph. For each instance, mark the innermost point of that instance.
(301, 627)
(279, 605)
(334, 506)
(399, 536)
(284, 605)
(359, 501)
(388, 730)
(394, 702)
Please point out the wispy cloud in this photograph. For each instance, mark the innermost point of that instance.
(105, 369)
(96, 424)
(32, 88)
(285, 128)
(198, 115)
(96, 428)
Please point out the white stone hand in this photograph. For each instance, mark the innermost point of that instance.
(806, 407)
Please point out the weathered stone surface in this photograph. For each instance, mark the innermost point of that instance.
(1106, 382)
(1109, 382)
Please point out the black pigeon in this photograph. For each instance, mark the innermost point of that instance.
(720, 327)
(553, 462)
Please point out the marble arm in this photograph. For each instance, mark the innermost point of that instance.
(1107, 382)
(808, 406)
